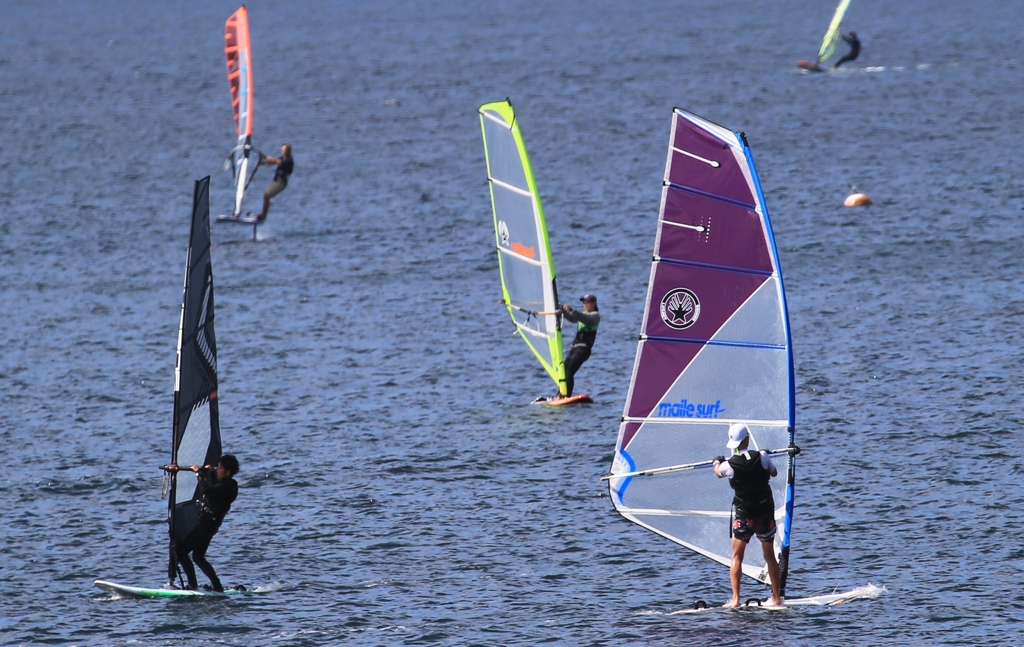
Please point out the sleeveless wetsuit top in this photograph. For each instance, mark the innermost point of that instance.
(752, 494)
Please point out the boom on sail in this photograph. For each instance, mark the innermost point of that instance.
(714, 350)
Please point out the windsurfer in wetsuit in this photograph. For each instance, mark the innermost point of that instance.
(854, 52)
(280, 181)
(586, 332)
(217, 490)
(748, 472)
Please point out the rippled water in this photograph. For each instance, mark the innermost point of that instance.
(395, 482)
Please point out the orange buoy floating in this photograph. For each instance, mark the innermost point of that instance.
(856, 200)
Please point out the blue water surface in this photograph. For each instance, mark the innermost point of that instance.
(395, 481)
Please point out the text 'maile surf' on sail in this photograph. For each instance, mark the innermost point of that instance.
(521, 237)
(196, 438)
(714, 350)
(236, 47)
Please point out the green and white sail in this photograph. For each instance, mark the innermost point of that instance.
(828, 44)
(521, 237)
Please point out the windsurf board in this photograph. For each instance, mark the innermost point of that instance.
(809, 66)
(827, 600)
(561, 402)
(123, 590)
(247, 219)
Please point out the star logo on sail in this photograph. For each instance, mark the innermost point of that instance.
(680, 309)
(518, 248)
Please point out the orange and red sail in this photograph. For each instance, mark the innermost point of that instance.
(236, 47)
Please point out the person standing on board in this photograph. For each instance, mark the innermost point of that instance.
(854, 49)
(280, 181)
(218, 490)
(748, 472)
(586, 332)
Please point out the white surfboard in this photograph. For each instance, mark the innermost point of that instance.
(830, 599)
(247, 219)
(123, 590)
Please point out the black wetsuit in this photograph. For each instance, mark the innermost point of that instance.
(582, 343)
(216, 497)
(284, 169)
(854, 49)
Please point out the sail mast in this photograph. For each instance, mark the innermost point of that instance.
(521, 239)
(172, 559)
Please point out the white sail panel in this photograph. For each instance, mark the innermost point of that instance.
(734, 383)
(192, 450)
(693, 507)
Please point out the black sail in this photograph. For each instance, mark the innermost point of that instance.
(196, 420)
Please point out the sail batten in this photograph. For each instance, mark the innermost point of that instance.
(521, 239)
(714, 350)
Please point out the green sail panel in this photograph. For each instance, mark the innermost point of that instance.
(521, 238)
(828, 44)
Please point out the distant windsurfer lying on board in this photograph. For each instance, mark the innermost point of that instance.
(854, 49)
(218, 490)
(280, 181)
(586, 332)
(748, 472)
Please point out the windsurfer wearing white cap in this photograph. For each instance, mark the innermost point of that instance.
(586, 332)
(748, 472)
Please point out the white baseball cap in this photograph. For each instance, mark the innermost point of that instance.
(737, 433)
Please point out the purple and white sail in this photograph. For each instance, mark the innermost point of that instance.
(714, 350)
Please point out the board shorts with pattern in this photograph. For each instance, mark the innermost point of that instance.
(274, 188)
(763, 526)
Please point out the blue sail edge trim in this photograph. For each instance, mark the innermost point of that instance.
(791, 473)
(632, 468)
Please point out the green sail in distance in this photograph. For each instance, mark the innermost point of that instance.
(828, 44)
(521, 238)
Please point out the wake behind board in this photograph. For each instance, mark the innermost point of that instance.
(139, 592)
(561, 402)
(247, 219)
(832, 599)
